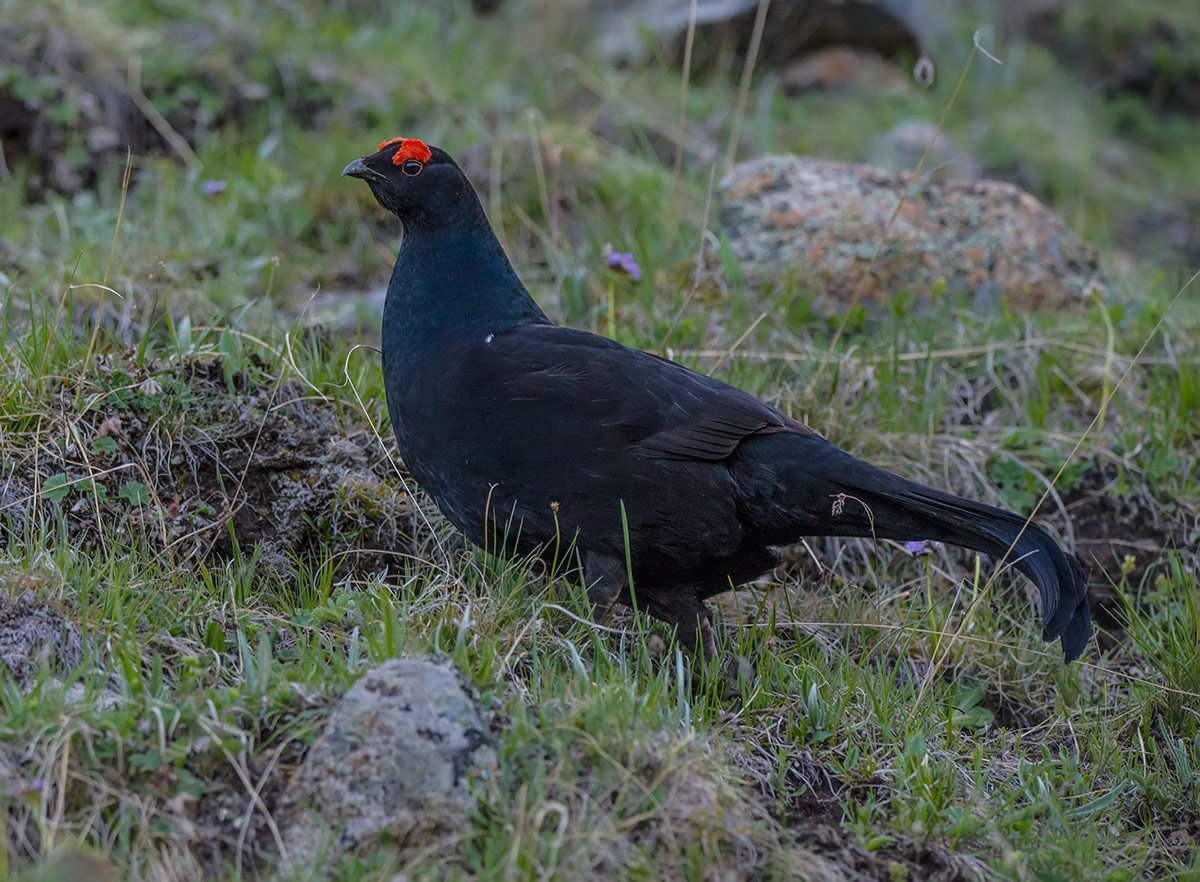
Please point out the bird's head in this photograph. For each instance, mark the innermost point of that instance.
(418, 183)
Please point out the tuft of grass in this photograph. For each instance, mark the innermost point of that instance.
(1163, 623)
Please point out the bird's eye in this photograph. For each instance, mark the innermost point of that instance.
(412, 167)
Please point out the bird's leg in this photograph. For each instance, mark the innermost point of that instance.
(605, 578)
(689, 616)
(695, 632)
(705, 638)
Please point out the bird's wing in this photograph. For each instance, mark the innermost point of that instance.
(662, 409)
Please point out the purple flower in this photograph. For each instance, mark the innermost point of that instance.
(622, 261)
(919, 547)
(33, 789)
(213, 188)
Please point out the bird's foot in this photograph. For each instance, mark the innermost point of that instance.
(604, 577)
(731, 670)
(724, 677)
(735, 671)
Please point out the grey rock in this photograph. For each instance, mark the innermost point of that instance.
(819, 222)
(347, 310)
(396, 760)
(105, 699)
(33, 633)
(901, 147)
(623, 25)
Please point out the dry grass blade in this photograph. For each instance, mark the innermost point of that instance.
(154, 116)
(112, 251)
(982, 349)
(728, 354)
(408, 488)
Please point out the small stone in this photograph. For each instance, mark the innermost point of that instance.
(901, 147)
(347, 311)
(396, 760)
(33, 633)
(105, 699)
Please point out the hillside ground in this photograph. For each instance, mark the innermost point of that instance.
(199, 495)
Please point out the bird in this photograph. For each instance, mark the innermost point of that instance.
(669, 486)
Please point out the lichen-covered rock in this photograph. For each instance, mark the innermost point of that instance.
(394, 762)
(33, 633)
(819, 222)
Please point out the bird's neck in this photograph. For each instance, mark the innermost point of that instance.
(451, 279)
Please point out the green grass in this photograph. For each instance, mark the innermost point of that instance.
(886, 728)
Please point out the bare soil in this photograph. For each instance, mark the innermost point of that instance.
(1121, 539)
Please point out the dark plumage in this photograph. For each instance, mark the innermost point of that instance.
(525, 433)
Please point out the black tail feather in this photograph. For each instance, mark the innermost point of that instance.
(1060, 582)
(891, 507)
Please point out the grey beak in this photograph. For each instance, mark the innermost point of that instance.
(357, 169)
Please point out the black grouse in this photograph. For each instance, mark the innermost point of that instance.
(529, 435)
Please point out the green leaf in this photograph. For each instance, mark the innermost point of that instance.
(56, 487)
(135, 493)
(148, 761)
(214, 636)
(975, 718)
(104, 445)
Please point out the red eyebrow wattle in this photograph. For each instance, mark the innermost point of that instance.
(410, 148)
